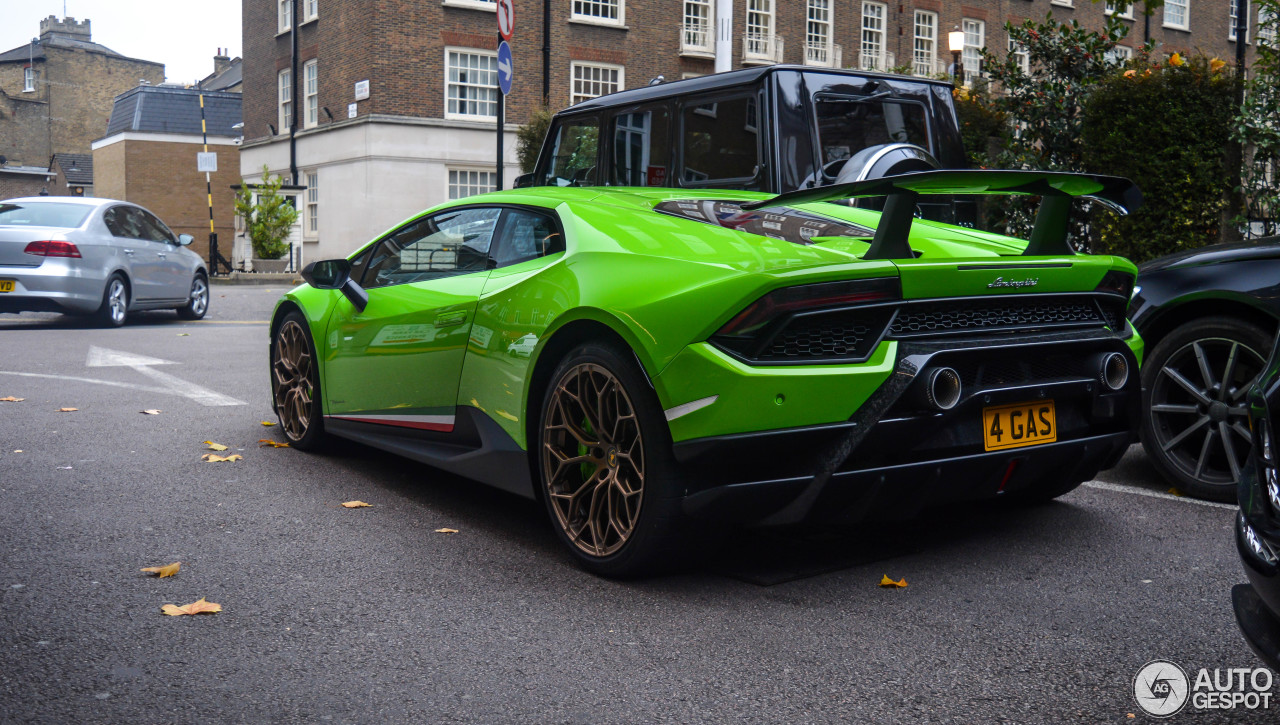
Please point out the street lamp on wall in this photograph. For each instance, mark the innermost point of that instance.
(955, 43)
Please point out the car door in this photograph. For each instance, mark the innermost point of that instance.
(130, 233)
(398, 361)
(173, 277)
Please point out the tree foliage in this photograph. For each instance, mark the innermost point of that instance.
(1258, 124)
(268, 220)
(529, 138)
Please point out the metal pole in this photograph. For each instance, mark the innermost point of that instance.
(497, 185)
(294, 6)
(208, 190)
(1235, 156)
(546, 53)
(724, 35)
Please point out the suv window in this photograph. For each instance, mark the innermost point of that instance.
(526, 235)
(780, 222)
(847, 125)
(573, 153)
(455, 241)
(720, 139)
(641, 147)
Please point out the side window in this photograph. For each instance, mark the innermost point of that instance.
(155, 229)
(527, 235)
(129, 223)
(111, 218)
(720, 140)
(573, 155)
(451, 242)
(641, 147)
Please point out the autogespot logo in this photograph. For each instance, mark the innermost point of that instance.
(1161, 688)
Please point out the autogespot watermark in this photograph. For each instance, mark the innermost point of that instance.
(1162, 688)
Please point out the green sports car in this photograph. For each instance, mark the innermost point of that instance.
(686, 356)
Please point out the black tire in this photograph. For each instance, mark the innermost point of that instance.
(1186, 420)
(656, 534)
(198, 301)
(295, 383)
(115, 302)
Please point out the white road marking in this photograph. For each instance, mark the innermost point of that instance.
(1156, 494)
(103, 357)
(112, 383)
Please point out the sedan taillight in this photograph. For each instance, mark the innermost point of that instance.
(53, 248)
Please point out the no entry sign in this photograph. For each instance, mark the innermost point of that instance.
(506, 19)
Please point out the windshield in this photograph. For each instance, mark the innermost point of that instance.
(781, 222)
(43, 214)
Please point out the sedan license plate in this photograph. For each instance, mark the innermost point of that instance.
(6, 285)
(1020, 424)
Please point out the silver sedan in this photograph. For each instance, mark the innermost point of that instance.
(99, 257)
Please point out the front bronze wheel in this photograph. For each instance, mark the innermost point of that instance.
(295, 387)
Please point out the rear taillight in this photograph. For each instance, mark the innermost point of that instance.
(53, 248)
(803, 298)
(1117, 283)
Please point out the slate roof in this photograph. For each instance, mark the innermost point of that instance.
(164, 109)
(82, 163)
(229, 78)
(25, 51)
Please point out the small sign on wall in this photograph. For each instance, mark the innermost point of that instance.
(362, 90)
(207, 161)
(351, 110)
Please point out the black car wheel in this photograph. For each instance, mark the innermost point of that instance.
(606, 469)
(115, 302)
(1195, 425)
(198, 302)
(295, 383)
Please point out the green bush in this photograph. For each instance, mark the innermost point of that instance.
(529, 138)
(268, 221)
(1165, 127)
(981, 123)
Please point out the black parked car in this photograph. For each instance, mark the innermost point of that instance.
(1208, 317)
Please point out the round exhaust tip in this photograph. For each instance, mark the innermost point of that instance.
(1114, 372)
(942, 388)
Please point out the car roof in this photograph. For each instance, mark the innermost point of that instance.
(728, 79)
(84, 200)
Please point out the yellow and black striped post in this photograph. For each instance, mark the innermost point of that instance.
(214, 257)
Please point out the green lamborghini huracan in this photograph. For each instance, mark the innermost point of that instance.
(642, 360)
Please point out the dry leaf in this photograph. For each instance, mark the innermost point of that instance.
(214, 458)
(887, 582)
(215, 446)
(356, 504)
(1130, 715)
(1175, 492)
(164, 571)
(151, 411)
(67, 410)
(264, 442)
(267, 423)
(18, 450)
(446, 531)
(184, 334)
(11, 399)
(198, 607)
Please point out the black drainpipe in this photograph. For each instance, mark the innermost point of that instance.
(546, 52)
(293, 92)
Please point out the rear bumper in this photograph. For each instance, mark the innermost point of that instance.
(54, 286)
(891, 458)
(1257, 604)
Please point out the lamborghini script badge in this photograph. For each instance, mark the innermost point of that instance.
(1002, 282)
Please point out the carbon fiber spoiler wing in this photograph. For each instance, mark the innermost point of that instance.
(1048, 237)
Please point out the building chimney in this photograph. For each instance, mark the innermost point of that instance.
(68, 28)
(221, 61)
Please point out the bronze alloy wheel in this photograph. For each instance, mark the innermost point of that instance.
(292, 375)
(593, 459)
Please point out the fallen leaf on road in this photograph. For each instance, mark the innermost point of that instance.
(214, 458)
(446, 531)
(164, 571)
(1131, 716)
(11, 399)
(264, 442)
(887, 582)
(356, 504)
(64, 468)
(215, 446)
(267, 422)
(67, 410)
(18, 450)
(197, 607)
(184, 334)
(1175, 492)
(151, 411)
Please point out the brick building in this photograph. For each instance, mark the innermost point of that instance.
(384, 107)
(56, 93)
(148, 157)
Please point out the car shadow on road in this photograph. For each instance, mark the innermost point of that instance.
(52, 321)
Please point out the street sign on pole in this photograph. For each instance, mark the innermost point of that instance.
(506, 18)
(505, 67)
(206, 161)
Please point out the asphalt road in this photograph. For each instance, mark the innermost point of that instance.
(369, 615)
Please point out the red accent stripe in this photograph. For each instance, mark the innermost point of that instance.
(442, 427)
(1008, 473)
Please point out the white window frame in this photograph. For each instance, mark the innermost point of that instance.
(310, 10)
(455, 115)
(576, 6)
(1119, 54)
(29, 79)
(1231, 23)
(311, 206)
(1266, 33)
(1185, 9)
(761, 25)
(455, 182)
(867, 38)
(284, 99)
(311, 93)
(1063, 3)
(1020, 55)
(929, 54)
(698, 24)
(575, 66)
(975, 38)
(1110, 9)
(819, 25)
(284, 16)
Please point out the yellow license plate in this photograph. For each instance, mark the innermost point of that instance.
(6, 285)
(1020, 424)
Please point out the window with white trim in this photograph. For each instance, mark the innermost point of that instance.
(925, 46)
(28, 79)
(975, 37)
(817, 35)
(284, 15)
(286, 99)
(310, 10)
(1176, 14)
(589, 80)
(1020, 56)
(312, 205)
(1119, 54)
(698, 35)
(872, 57)
(1231, 26)
(1266, 27)
(759, 40)
(1110, 9)
(1066, 3)
(311, 93)
(598, 11)
(471, 79)
(469, 182)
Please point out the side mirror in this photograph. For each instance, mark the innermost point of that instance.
(523, 181)
(336, 274)
(185, 239)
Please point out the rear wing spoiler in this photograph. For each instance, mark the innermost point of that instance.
(1048, 237)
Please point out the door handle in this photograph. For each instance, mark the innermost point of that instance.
(128, 251)
(161, 255)
(451, 319)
